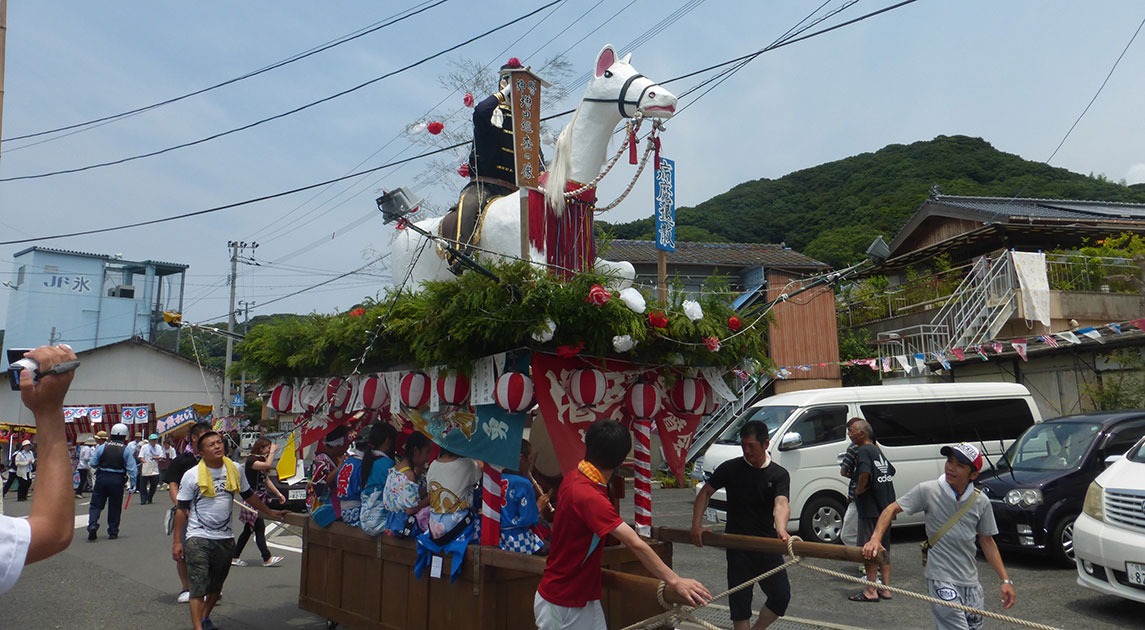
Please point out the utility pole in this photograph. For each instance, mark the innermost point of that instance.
(245, 306)
(3, 46)
(235, 247)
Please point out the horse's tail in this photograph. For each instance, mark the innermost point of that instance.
(558, 174)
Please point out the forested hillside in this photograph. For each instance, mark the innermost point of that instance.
(831, 212)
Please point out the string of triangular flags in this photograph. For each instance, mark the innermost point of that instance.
(1022, 346)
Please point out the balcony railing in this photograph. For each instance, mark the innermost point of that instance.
(1066, 272)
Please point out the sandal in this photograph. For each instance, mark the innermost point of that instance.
(862, 597)
(885, 595)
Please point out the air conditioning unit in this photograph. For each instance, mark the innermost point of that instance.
(122, 291)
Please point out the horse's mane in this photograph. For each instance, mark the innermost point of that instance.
(559, 168)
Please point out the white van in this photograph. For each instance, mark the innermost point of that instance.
(808, 437)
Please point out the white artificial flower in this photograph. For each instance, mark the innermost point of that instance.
(623, 343)
(692, 310)
(545, 335)
(632, 299)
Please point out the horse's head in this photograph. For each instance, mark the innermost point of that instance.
(616, 81)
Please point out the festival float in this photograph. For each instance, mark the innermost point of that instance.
(533, 321)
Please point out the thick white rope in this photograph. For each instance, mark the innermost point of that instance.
(676, 613)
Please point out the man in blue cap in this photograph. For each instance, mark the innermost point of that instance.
(149, 456)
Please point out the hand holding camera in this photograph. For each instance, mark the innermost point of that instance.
(17, 363)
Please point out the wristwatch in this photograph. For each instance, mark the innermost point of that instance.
(1008, 581)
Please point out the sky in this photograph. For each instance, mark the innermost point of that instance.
(1016, 73)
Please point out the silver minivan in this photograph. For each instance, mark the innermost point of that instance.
(808, 437)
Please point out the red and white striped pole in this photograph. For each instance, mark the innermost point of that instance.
(643, 481)
(491, 501)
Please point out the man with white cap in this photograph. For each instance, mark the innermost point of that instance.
(23, 461)
(957, 515)
(149, 456)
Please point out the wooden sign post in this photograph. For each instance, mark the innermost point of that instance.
(525, 95)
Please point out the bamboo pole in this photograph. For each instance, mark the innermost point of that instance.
(768, 545)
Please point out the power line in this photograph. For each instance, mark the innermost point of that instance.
(424, 154)
(289, 60)
(283, 114)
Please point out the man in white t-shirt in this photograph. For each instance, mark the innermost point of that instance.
(49, 527)
(149, 456)
(205, 501)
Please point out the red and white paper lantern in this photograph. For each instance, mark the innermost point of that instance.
(415, 390)
(514, 392)
(338, 393)
(644, 400)
(689, 395)
(375, 394)
(711, 402)
(453, 388)
(312, 396)
(587, 386)
(280, 398)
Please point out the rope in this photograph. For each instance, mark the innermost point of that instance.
(676, 612)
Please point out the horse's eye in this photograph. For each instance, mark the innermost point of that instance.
(608, 74)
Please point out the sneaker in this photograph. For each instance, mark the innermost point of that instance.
(209, 625)
(112, 536)
(238, 562)
(91, 534)
(272, 561)
(183, 597)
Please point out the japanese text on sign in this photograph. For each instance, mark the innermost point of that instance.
(526, 102)
(666, 205)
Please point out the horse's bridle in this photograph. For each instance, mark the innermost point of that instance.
(620, 100)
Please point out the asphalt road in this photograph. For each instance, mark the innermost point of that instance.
(1045, 593)
(132, 581)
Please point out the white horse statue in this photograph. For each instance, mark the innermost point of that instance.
(616, 91)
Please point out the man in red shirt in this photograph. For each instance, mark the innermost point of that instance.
(568, 597)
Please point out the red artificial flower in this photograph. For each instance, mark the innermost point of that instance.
(712, 343)
(656, 319)
(513, 63)
(434, 127)
(734, 323)
(568, 352)
(463, 170)
(469, 99)
(598, 295)
(358, 312)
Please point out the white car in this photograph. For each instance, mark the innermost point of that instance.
(1109, 536)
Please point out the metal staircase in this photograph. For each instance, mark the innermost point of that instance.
(973, 314)
(712, 426)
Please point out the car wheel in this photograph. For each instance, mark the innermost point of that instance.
(1061, 541)
(822, 519)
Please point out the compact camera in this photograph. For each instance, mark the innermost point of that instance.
(17, 363)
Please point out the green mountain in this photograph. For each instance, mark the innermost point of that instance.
(831, 212)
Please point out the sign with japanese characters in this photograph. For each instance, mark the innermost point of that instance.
(666, 205)
(525, 96)
(72, 283)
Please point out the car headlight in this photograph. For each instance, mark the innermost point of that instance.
(1094, 504)
(1024, 497)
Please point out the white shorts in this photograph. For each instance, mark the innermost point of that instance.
(549, 616)
(850, 531)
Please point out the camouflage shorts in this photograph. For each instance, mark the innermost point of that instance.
(208, 563)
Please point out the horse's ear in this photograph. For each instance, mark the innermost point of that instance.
(627, 59)
(604, 60)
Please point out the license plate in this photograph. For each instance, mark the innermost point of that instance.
(1135, 572)
(296, 495)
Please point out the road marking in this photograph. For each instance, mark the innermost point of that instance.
(81, 520)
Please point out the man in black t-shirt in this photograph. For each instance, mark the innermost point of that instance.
(174, 474)
(758, 492)
(874, 491)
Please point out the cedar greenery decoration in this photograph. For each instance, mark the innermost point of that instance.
(452, 323)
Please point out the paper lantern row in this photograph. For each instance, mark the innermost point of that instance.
(514, 392)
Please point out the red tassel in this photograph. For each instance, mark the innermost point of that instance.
(656, 144)
(632, 145)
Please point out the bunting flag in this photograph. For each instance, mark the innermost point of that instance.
(888, 364)
(996, 346)
(920, 361)
(981, 350)
(1049, 341)
(901, 359)
(941, 358)
(958, 353)
(1069, 336)
(1020, 346)
(1091, 332)
(1139, 324)
(1116, 328)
